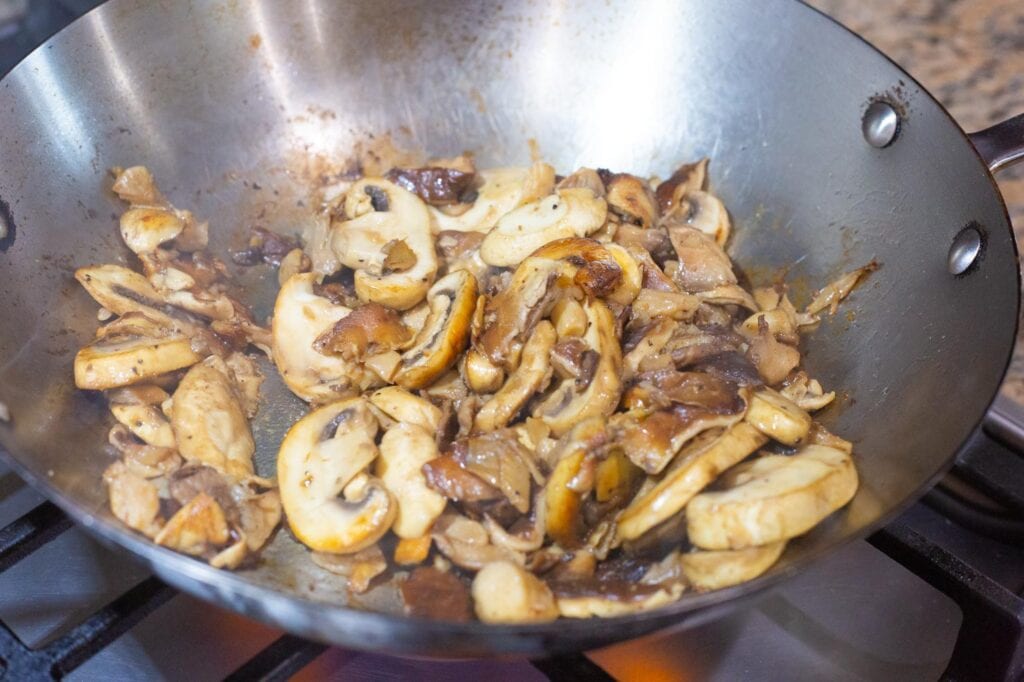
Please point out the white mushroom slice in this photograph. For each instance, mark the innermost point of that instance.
(209, 421)
(695, 467)
(300, 317)
(482, 375)
(568, 213)
(321, 455)
(714, 570)
(196, 528)
(506, 593)
(123, 291)
(145, 229)
(147, 422)
(407, 408)
(777, 417)
(706, 212)
(501, 191)
(772, 498)
(568, 404)
(133, 500)
(608, 607)
(834, 292)
(404, 450)
(120, 361)
(444, 335)
(531, 376)
(400, 217)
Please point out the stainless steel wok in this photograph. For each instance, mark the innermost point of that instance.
(222, 100)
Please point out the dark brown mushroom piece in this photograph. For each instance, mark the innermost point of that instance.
(265, 246)
(654, 241)
(662, 388)
(432, 593)
(499, 459)
(688, 178)
(435, 185)
(369, 329)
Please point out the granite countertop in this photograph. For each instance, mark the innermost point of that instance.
(970, 55)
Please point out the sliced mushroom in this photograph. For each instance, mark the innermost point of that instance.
(368, 330)
(137, 186)
(466, 543)
(772, 498)
(703, 265)
(321, 457)
(501, 191)
(197, 528)
(530, 377)
(506, 593)
(693, 469)
(569, 318)
(209, 421)
(562, 513)
(589, 605)
(691, 177)
(568, 213)
(412, 551)
(632, 199)
(145, 229)
(651, 305)
(807, 393)
(300, 317)
(777, 417)
(405, 407)
(774, 360)
(134, 500)
(713, 570)
(359, 242)
(481, 375)
(404, 450)
(648, 342)
(728, 294)
(124, 360)
(706, 212)
(123, 291)
(834, 292)
(631, 281)
(586, 178)
(445, 333)
(359, 568)
(148, 461)
(571, 403)
(147, 422)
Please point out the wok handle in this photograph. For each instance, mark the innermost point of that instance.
(1001, 145)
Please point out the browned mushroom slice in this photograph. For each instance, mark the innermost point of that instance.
(504, 592)
(124, 360)
(584, 178)
(435, 185)
(693, 469)
(404, 449)
(137, 186)
(500, 191)
(133, 500)
(369, 329)
(688, 178)
(432, 593)
(209, 421)
(143, 459)
(466, 543)
(834, 292)
(713, 570)
(652, 305)
(705, 212)
(571, 403)
(123, 291)
(774, 360)
(445, 334)
(632, 199)
(562, 513)
(530, 377)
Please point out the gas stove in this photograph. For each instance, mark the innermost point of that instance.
(935, 594)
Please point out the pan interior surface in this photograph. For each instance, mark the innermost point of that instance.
(229, 105)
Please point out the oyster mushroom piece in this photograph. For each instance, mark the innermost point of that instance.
(145, 229)
(567, 213)
(466, 543)
(361, 243)
(530, 377)
(632, 199)
(404, 450)
(772, 498)
(777, 417)
(403, 406)
(300, 317)
(571, 403)
(713, 570)
(330, 504)
(703, 265)
(444, 335)
(693, 469)
(501, 191)
(134, 500)
(831, 294)
(690, 177)
(209, 420)
(196, 528)
(124, 360)
(506, 593)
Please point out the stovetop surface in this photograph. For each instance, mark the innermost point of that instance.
(858, 615)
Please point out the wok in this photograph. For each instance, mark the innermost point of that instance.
(222, 100)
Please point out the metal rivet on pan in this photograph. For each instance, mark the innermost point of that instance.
(965, 250)
(880, 124)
